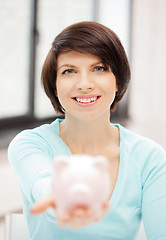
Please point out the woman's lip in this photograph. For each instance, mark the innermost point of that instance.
(86, 104)
(86, 96)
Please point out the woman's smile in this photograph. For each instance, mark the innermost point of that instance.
(86, 100)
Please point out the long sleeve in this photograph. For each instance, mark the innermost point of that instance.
(32, 160)
(31, 154)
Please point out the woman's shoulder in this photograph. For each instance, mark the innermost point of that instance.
(40, 140)
(142, 151)
(48, 130)
(40, 137)
(139, 143)
(144, 154)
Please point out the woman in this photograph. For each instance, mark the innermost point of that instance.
(85, 75)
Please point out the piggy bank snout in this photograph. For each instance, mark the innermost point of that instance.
(80, 189)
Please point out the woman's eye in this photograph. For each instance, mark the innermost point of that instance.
(100, 69)
(68, 71)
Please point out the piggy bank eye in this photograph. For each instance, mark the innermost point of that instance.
(60, 164)
(101, 163)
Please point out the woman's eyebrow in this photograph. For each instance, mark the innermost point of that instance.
(94, 64)
(73, 66)
(66, 65)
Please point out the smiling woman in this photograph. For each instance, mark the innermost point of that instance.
(85, 75)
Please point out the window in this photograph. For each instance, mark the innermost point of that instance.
(53, 17)
(14, 58)
(28, 28)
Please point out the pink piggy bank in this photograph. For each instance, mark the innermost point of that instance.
(81, 180)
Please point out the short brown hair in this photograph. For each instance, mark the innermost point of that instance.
(93, 38)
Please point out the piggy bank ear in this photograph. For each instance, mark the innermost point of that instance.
(61, 163)
(101, 163)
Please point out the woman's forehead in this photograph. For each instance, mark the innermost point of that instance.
(75, 57)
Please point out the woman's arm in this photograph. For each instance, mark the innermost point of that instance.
(32, 160)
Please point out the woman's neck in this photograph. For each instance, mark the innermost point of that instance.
(88, 137)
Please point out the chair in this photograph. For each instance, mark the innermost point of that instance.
(15, 227)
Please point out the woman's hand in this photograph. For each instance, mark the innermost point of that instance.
(79, 217)
(43, 204)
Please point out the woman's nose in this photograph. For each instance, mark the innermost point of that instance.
(84, 83)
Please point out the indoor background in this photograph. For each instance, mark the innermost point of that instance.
(27, 28)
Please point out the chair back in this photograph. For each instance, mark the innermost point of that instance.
(15, 227)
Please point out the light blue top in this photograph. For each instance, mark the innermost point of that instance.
(140, 191)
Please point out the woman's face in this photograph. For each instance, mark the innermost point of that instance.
(85, 88)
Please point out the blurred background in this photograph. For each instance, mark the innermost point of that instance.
(28, 28)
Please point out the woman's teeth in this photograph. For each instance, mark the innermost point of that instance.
(86, 100)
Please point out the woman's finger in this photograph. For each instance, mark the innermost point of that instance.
(42, 205)
(80, 212)
(106, 207)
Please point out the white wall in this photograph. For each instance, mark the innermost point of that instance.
(147, 52)
(148, 58)
(116, 15)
